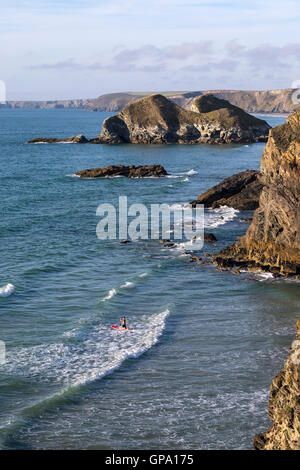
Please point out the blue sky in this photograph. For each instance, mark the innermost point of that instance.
(63, 49)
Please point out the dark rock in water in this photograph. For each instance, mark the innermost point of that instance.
(272, 241)
(199, 260)
(195, 258)
(209, 237)
(76, 139)
(240, 191)
(247, 219)
(206, 261)
(124, 242)
(236, 271)
(155, 119)
(121, 170)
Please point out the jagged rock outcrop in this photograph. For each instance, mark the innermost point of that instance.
(130, 171)
(240, 191)
(272, 242)
(76, 139)
(155, 119)
(284, 405)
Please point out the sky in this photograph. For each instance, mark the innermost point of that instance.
(68, 49)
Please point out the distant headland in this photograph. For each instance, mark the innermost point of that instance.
(260, 101)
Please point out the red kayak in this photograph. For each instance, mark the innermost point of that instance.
(116, 327)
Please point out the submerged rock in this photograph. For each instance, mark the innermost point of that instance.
(130, 171)
(272, 241)
(240, 191)
(155, 119)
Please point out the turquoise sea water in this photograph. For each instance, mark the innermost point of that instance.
(195, 372)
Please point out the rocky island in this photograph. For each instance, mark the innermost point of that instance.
(130, 171)
(155, 119)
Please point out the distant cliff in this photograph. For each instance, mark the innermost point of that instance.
(272, 101)
(272, 241)
(156, 119)
(284, 406)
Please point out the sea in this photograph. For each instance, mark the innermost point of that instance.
(195, 371)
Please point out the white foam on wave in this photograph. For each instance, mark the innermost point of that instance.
(143, 275)
(38, 143)
(259, 275)
(73, 175)
(213, 218)
(191, 172)
(110, 295)
(7, 290)
(179, 206)
(264, 276)
(194, 244)
(128, 285)
(88, 356)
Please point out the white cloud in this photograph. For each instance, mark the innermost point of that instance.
(160, 38)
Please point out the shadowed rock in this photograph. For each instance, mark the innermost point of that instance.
(209, 237)
(240, 191)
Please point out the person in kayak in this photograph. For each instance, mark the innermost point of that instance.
(123, 323)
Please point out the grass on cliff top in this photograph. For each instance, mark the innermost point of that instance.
(287, 133)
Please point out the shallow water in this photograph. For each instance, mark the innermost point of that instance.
(196, 370)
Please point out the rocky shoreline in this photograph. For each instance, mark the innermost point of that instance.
(272, 242)
(284, 405)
